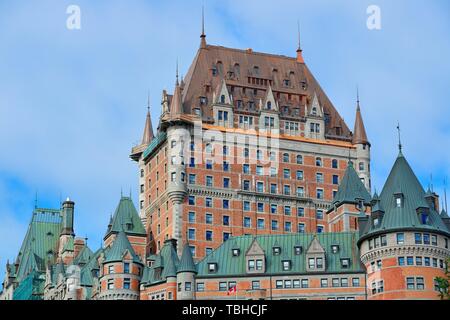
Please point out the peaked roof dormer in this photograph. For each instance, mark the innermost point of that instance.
(84, 256)
(120, 248)
(444, 214)
(126, 219)
(254, 248)
(315, 246)
(359, 131)
(187, 262)
(222, 96)
(351, 189)
(269, 102)
(403, 215)
(314, 109)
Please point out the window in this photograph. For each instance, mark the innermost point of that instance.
(286, 265)
(410, 261)
(247, 222)
(335, 179)
(323, 283)
(226, 182)
(334, 164)
(222, 286)
(318, 162)
(299, 175)
(110, 284)
(208, 251)
(319, 229)
(260, 207)
(279, 284)
(255, 285)
(383, 241)
(319, 263)
(246, 152)
(192, 200)
(434, 240)
(246, 185)
(200, 286)
(296, 283)
(110, 269)
(301, 228)
(208, 202)
(400, 238)
(426, 238)
(208, 218)
(286, 173)
(398, 202)
(274, 225)
(209, 181)
(334, 248)
(126, 267)
(426, 261)
(260, 223)
(276, 251)
(273, 208)
(418, 261)
(191, 217)
(287, 210)
(226, 236)
(319, 214)
(191, 178)
(226, 166)
(235, 252)
(251, 265)
(335, 282)
(192, 162)
(273, 188)
(410, 284)
(305, 283)
(300, 192)
(260, 186)
(287, 226)
(287, 190)
(319, 177)
(355, 282)
(259, 264)
(285, 157)
(209, 164)
(226, 203)
(246, 205)
(344, 282)
(187, 286)
(226, 220)
(319, 193)
(246, 168)
(401, 261)
(299, 159)
(191, 234)
(209, 235)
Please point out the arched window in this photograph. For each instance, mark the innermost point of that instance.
(318, 162)
(285, 157)
(299, 159)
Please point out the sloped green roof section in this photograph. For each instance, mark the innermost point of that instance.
(402, 180)
(127, 218)
(166, 265)
(83, 256)
(351, 188)
(86, 276)
(40, 242)
(69, 245)
(118, 249)
(187, 262)
(160, 138)
(229, 265)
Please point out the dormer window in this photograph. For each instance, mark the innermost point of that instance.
(376, 222)
(335, 248)
(214, 71)
(212, 267)
(236, 252)
(423, 216)
(286, 265)
(276, 251)
(314, 111)
(345, 263)
(202, 100)
(286, 82)
(222, 98)
(269, 105)
(399, 200)
(298, 250)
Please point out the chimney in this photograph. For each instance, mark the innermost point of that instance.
(78, 245)
(67, 213)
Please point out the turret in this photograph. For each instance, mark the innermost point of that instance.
(186, 275)
(362, 146)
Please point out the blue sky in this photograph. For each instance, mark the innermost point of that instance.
(73, 102)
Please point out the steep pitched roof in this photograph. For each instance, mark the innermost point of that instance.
(187, 262)
(359, 131)
(200, 82)
(126, 218)
(148, 136)
(83, 256)
(402, 180)
(119, 248)
(229, 265)
(351, 188)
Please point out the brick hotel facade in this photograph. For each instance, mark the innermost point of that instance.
(252, 187)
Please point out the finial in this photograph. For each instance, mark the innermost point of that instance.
(85, 240)
(36, 200)
(357, 96)
(148, 101)
(399, 138)
(121, 192)
(299, 48)
(203, 36)
(176, 74)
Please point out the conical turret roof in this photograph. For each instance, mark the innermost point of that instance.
(187, 262)
(359, 131)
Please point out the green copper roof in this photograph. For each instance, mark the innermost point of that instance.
(403, 182)
(166, 265)
(86, 276)
(187, 262)
(69, 245)
(126, 218)
(83, 256)
(229, 265)
(160, 138)
(120, 246)
(351, 188)
(40, 242)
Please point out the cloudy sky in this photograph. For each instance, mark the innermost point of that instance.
(73, 102)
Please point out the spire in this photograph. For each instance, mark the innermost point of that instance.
(399, 140)
(203, 35)
(176, 75)
(187, 262)
(299, 48)
(176, 107)
(148, 129)
(359, 132)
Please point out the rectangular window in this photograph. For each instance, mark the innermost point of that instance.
(400, 238)
(434, 240)
(208, 202)
(418, 238)
(247, 222)
(311, 263)
(274, 225)
(335, 282)
(401, 261)
(260, 207)
(191, 178)
(226, 203)
(126, 267)
(246, 205)
(192, 200)
(410, 261)
(251, 265)
(323, 283)
(418, 261)
(344, 282)
(410, 283)
(191, 234)
(200, 286)
(426, 238)
(287, 190)
(259, 264)
(255, 285)
(110, 284)
(305, 283)
(300, 192)
(319, 214)
(301, 228)
(319, 193)
(209, 181)
(246, 168)
(426, 261)
(246, 185)
(209, 235)
(287, 226)
(208, 218)
(226, 182)
(226, 220)
(260, 223)
(260, 186)
(335, 179)
(273, 208)
(319, 177)
(299, 175)
(279, 284)
(273, 188)
(296, 283)
(222, 286)
(287, 284)
(287, 210)
(355, 282)
(286, 173)
(300, 211)
(420, 285)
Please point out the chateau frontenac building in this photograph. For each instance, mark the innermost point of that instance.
(252, 187)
